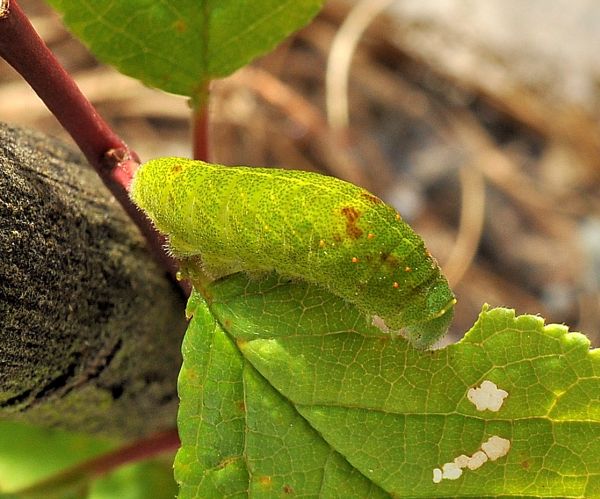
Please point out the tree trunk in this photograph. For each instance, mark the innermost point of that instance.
(90, 326)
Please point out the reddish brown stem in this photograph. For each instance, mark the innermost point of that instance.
(25, 51)
(112, 159)
(200, 138)
(146, 448)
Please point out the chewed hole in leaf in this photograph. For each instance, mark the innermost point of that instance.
(487, 396)
(494, 448)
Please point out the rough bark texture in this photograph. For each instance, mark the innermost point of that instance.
(90, 326)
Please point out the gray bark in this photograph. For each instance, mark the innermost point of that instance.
(90, 326)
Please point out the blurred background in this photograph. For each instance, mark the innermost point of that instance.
(478, 121)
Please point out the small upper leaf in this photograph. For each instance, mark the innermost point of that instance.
(180, 46)
(287, 389)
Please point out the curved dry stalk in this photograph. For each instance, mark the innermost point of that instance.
(340, 57)
(471, 224)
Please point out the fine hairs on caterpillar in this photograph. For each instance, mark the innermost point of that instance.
(301, 225)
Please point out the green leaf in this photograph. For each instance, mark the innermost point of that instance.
(180, 46)
(287, 389)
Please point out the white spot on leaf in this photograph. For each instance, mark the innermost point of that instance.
(496, 447)
(451, 471)
(477, 460)
(487, 396)
(462, 461)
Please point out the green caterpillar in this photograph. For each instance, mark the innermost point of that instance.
(302, 225)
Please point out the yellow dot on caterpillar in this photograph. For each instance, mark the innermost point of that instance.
(407, 269)
(266, 227)
(179, 275)
(321, 243)
(396, 285)
(370, 236)
(398, 217)
(354, 259)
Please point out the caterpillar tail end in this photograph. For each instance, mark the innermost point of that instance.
(424, 334)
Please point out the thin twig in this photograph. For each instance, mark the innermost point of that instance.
(145, 448)
(25, 51)
(200, 137)
(114, 162)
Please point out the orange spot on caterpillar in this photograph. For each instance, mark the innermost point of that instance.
(355, 260)
(398, 217)
(396, 285)
(321, 243)
(407, 269)
(370, 236)
(352, 215)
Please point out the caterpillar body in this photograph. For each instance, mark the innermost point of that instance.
(302, 225)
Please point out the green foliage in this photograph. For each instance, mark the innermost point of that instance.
(287, 389)
(179, 46)
(303, 225)
(143, 480)
(30, 454)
